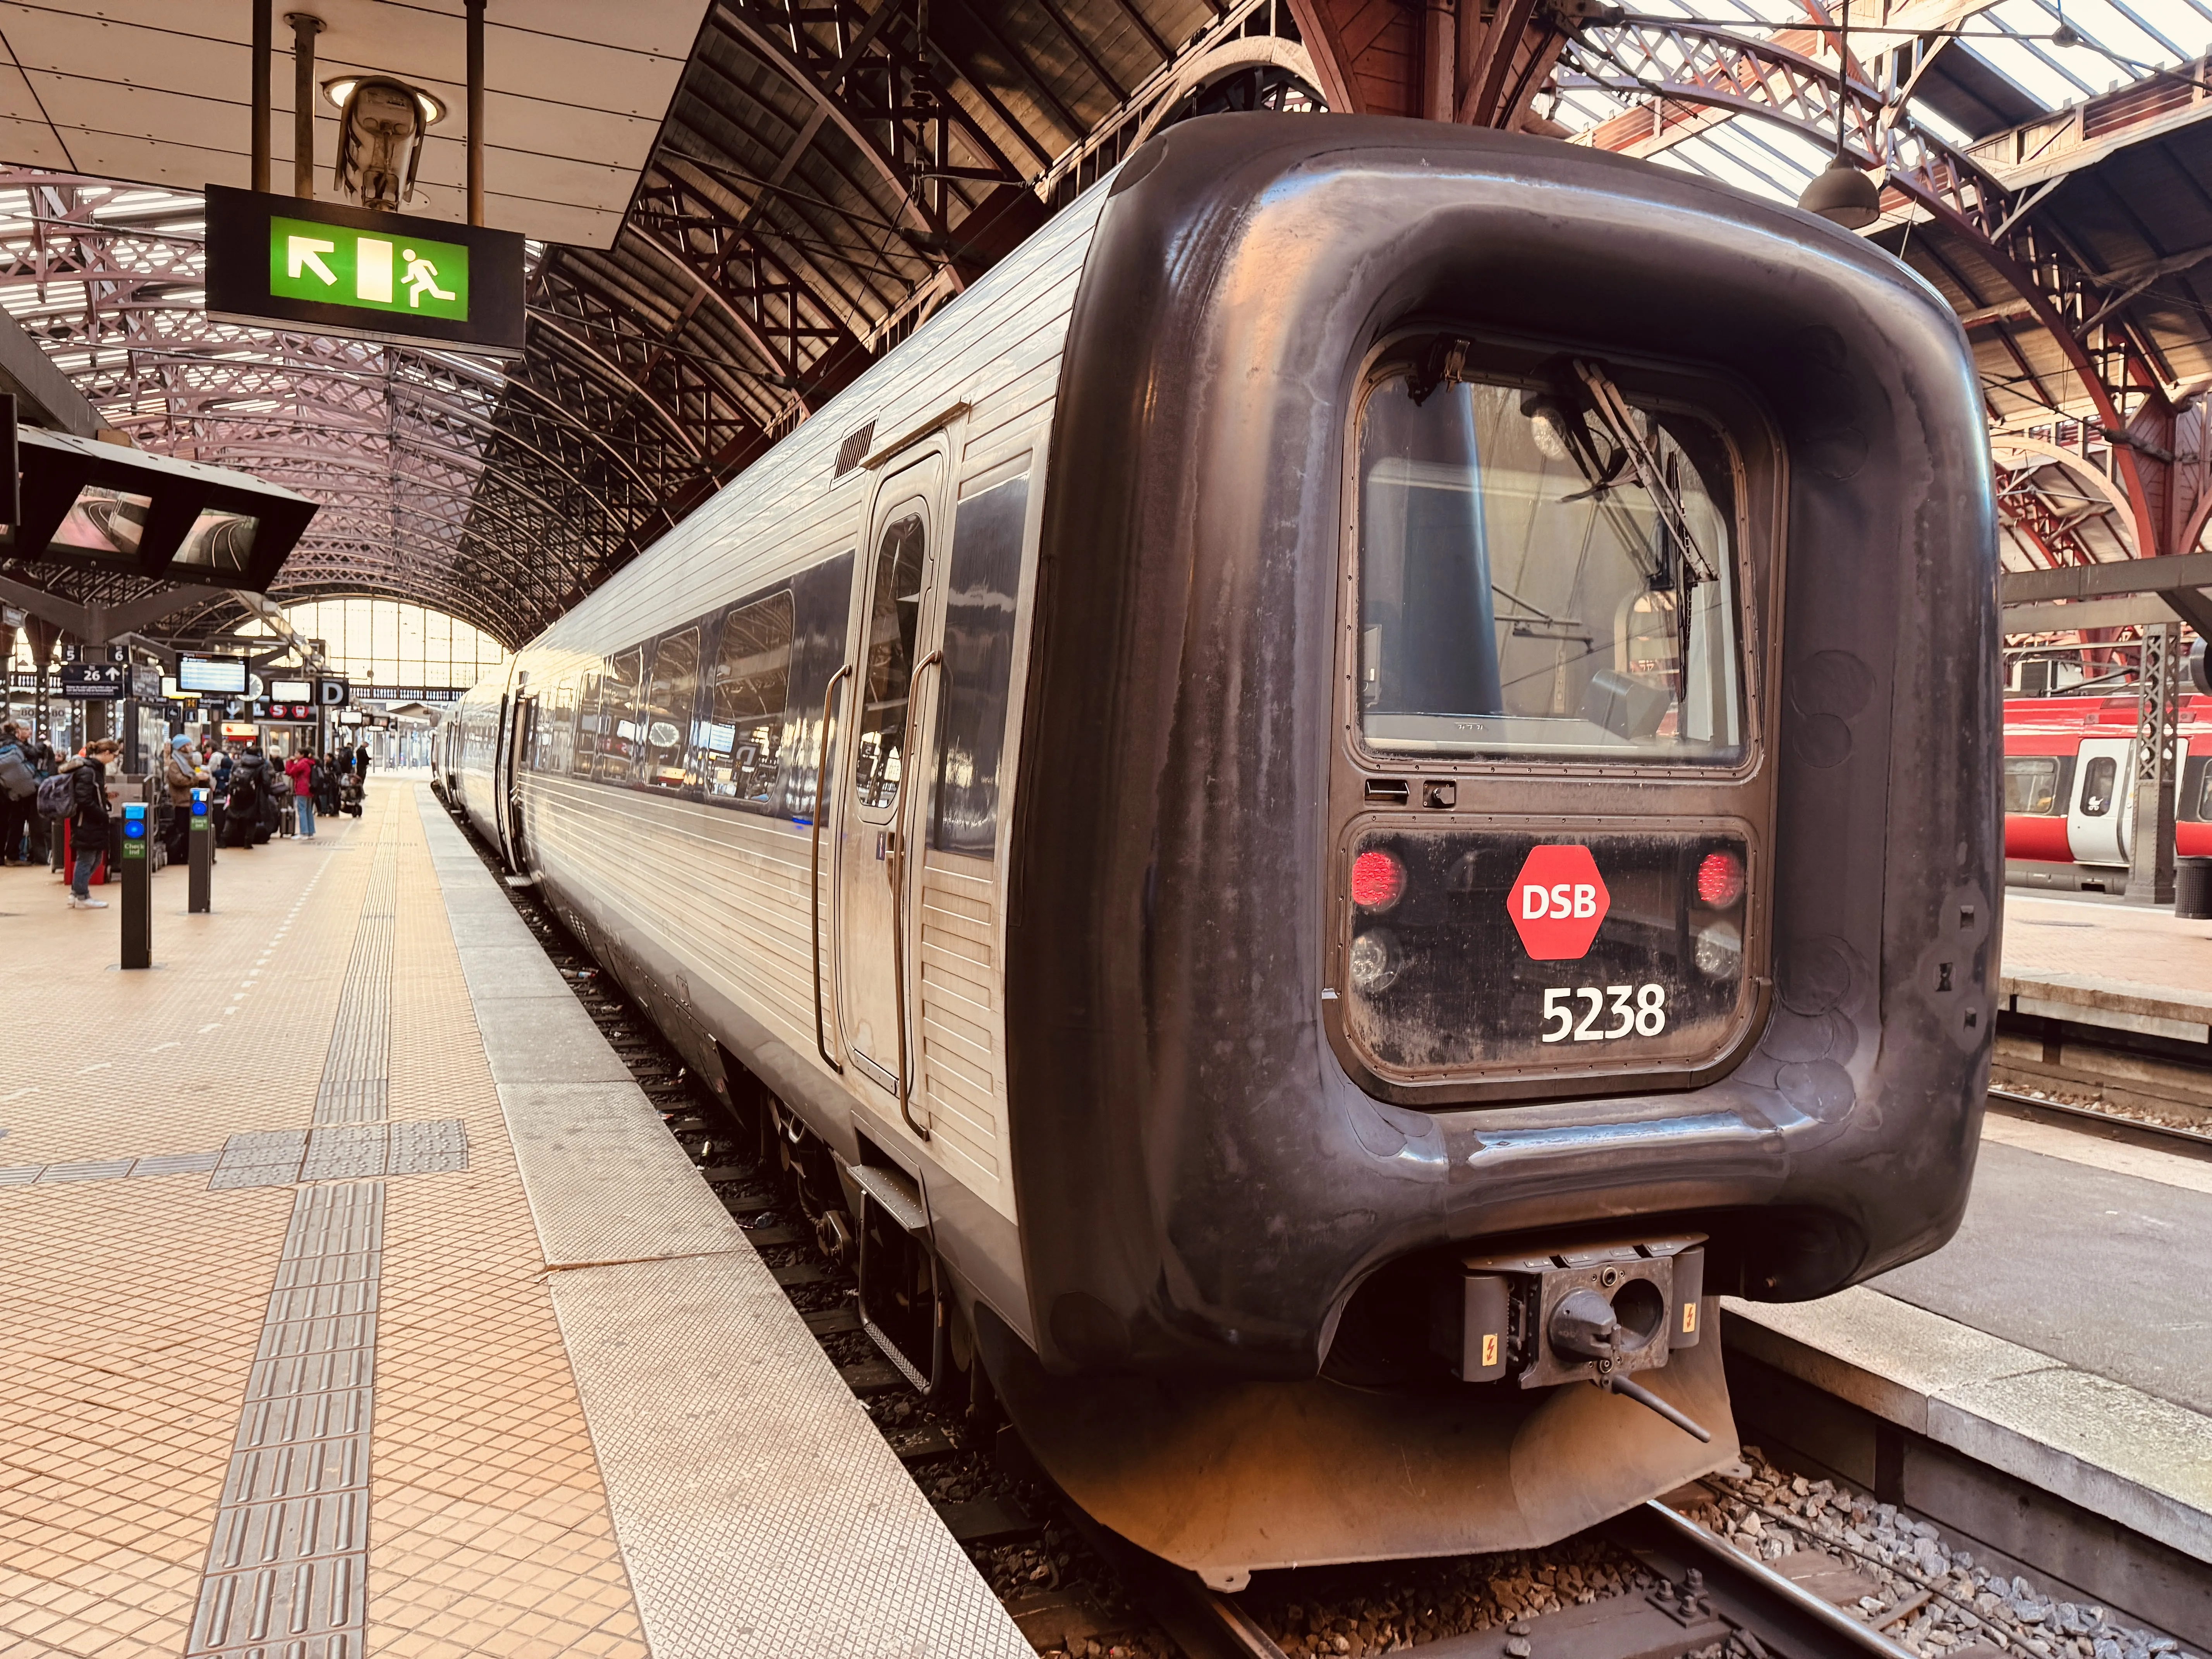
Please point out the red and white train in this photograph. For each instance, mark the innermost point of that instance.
(2067, 762)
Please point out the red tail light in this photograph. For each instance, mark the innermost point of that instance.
(1720, 880)
(1378, 880)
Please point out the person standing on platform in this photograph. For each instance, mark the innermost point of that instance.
(88, 823)
(241, 800)
(300, 768)
(182, 776)
(40, 754)
(19, 793)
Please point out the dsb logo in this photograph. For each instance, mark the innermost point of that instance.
(1557, 903)
(1577, 899)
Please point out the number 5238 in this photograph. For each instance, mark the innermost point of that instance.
(1639, 1010)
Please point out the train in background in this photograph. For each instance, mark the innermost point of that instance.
(2068, 767)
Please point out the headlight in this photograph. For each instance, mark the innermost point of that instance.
(1719, 950)
(1375, 962)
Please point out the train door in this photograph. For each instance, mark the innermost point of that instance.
(522, 733)
(2097, 819)
(880, 733)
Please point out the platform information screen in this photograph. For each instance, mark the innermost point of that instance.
(334, 268)
(222, 675)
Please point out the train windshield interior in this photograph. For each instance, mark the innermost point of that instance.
(1546, 568)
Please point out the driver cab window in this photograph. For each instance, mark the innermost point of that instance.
(894, 616)
(1548, 568)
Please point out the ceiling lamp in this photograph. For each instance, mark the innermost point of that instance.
(1843, 195)
(381, 127)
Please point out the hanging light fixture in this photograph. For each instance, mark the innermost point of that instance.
(1843, 195)
(381, 127)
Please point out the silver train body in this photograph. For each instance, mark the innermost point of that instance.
(1411, 742)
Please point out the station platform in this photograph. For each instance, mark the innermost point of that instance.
(2106, 1001)
(354, 1299)
(2062, 1340)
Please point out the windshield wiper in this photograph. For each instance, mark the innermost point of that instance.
(1612, 411)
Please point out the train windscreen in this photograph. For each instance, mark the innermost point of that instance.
(1546, 570)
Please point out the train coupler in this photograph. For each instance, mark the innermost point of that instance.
(1586, 1312)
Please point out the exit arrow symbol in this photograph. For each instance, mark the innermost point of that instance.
(306, 252)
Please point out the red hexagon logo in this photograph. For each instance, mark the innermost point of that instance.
(1557, 903)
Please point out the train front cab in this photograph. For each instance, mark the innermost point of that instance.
(1506, 840)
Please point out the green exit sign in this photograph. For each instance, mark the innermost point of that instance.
(409, 275)
(331, 268)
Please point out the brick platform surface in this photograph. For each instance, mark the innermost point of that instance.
(146, 1306)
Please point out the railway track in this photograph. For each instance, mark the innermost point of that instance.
(2111, 1125)
(1703, 1595)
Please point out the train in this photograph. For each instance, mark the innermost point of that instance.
(2070, 770)
(1363, 779)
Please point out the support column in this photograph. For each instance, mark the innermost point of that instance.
(2150, 846)
(476, 111)
(264, 48)
(1439, 54)
(305, 28)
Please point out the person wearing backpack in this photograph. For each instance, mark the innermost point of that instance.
(241, 816)
(85, 775)
(19, 789)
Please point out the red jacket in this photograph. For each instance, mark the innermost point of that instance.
(297, 769)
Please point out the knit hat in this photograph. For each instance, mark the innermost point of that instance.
(181, 742)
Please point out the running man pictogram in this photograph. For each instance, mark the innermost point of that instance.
(422, 279)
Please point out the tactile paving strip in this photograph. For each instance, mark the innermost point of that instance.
(287, 1574)
(283, 1157)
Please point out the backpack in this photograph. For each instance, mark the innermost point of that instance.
(57, 796)
(16, 776)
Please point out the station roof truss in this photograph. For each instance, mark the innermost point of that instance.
(826, 175)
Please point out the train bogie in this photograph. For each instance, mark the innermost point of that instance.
(1385, 732)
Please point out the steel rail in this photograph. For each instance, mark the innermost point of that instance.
(2087, 1120)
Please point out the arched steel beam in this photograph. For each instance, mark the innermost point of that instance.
(597, 360)
(1702, 63)
(737, 319)
(741, 26)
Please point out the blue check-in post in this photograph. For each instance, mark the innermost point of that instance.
(199, 853)
(137, 870)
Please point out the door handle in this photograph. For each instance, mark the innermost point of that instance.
(814, 885)
(895, 862)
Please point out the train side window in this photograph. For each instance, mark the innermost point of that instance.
(618, 736)
(2097, 782)
(979, 663)
(822, 604)
(2031, 784)
(665, 715)
(740, 744)
(2204, 795)
(588, 725)
(561, 726)
(887, 663)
